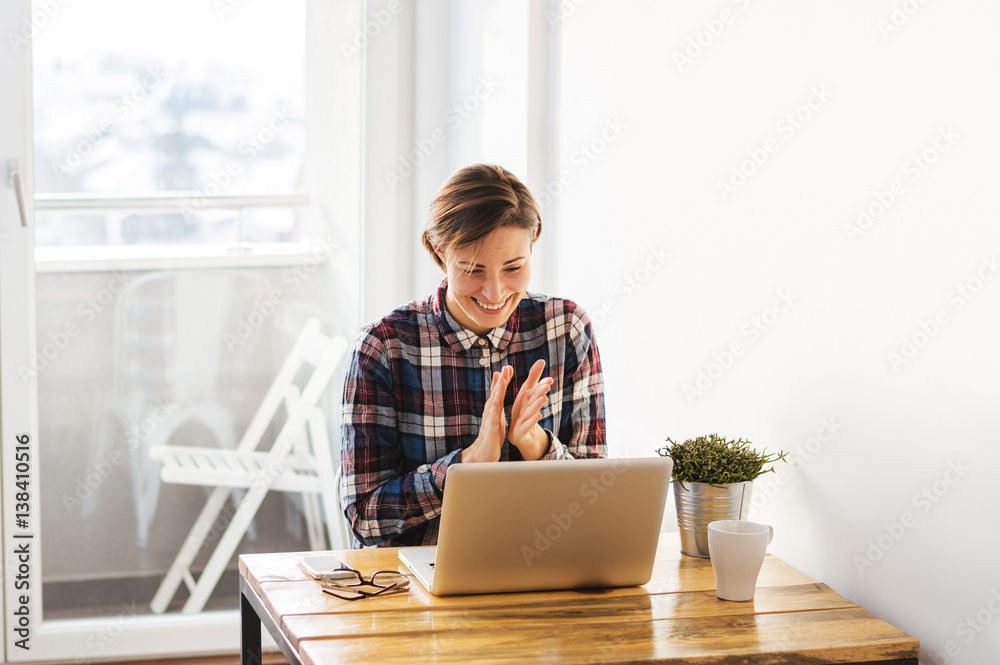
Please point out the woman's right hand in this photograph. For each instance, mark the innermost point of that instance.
(493, 430)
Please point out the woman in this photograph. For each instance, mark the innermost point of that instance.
(458, 376)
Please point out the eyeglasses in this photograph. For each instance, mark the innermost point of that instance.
(349, 584)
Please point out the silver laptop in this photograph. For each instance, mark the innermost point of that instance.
(532, 526)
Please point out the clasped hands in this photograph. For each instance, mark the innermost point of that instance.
(525, 432)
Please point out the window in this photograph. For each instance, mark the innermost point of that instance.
(125, 304)
(170, 123)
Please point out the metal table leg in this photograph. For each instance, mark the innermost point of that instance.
(250, 651)
(253, 614)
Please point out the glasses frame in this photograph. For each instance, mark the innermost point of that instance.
(352, 591)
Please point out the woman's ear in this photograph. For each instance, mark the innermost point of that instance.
(439, 253)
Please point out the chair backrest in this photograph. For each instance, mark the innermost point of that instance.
(314, 350)
(171, 332)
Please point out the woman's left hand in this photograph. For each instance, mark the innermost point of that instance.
(524, 430)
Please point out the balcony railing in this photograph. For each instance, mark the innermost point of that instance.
(119, 207)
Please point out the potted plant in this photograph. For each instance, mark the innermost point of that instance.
(713, 478)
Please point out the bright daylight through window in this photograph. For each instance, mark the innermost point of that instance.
(163, 131)
(169, 123)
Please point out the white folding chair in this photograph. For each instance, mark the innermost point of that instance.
(299, 460)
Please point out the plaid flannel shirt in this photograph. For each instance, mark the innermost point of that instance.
(414, 397)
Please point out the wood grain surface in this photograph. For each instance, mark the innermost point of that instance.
(675, 618)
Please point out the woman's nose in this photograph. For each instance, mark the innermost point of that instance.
(493, 289)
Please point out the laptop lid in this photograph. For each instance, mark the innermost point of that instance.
(562, 524)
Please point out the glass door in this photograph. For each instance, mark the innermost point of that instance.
(166, 231)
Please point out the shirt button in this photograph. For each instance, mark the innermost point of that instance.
(484, 362)
(481, 342)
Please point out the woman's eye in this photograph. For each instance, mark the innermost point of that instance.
(515, 269)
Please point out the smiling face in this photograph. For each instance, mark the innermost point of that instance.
(488, 278)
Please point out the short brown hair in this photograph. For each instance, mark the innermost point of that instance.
(473, 203)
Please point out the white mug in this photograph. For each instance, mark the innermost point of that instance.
(737, 549)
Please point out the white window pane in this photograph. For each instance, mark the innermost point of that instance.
(138, 100)
(193, 96)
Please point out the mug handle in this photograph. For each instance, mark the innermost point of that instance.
(770, 533)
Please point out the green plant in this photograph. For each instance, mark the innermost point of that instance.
(715, 460)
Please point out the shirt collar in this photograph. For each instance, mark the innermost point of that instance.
(461, 338)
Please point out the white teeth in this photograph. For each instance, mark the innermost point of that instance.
(484, 306)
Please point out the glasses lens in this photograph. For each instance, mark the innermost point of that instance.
(389, 578)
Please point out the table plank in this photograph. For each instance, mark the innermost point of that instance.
(285, 588)
(675, 618)
(574, 612)
(282, 566)
(785, 638)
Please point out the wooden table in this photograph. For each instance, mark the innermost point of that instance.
(676, 618)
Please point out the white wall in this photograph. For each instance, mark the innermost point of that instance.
(770, 292)
(890, 496)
